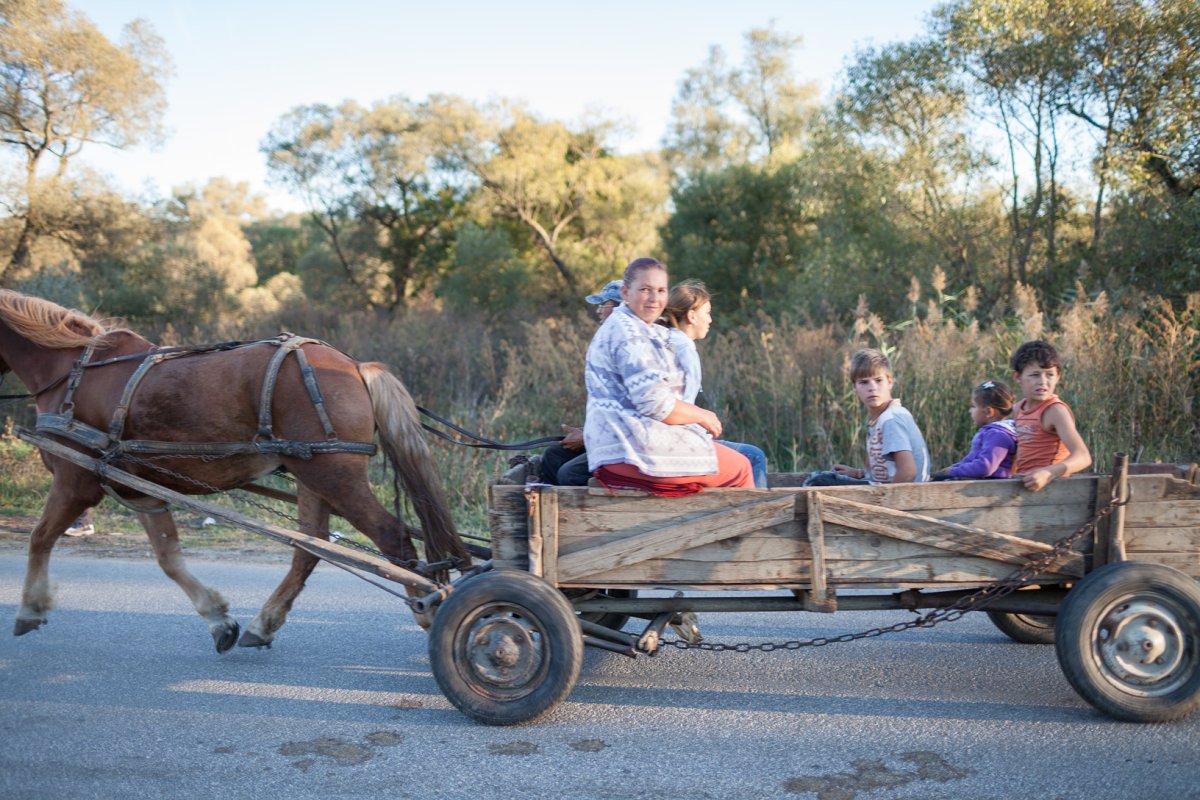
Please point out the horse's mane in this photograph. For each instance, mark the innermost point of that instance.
(48, 324)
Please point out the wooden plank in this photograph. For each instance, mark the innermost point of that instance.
(955, 538)
(680, 571)
(1143, 488)
(533, 498)
(929, 572)
(1187, 563)
(1182, 540)
(1100, 536)
(820, 597)
(1116, 528)
(947, 495)
(320, 547)
(549, 525)
(675, 537)
(1183, 513)
(509, 526)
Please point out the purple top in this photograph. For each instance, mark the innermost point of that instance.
(992, 452)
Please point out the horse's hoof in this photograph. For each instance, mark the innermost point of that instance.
(24, 626)
(250, 639)
(226, 636)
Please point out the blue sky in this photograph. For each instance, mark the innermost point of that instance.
(241, 65)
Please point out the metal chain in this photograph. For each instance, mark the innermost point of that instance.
(411, 564)
(1023, 576)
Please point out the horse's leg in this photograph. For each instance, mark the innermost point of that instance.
(209, 604)
(345, 487)
(349, 494)
(63, 506)
(314, 521)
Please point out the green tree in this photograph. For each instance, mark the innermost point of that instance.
(379, 183)
(904, 100)
(1017, 70)
(741, 230)
(586, 208)
(64, 85)
(725, 115)
(197, 265)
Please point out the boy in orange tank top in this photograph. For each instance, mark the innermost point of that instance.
(1048, 444)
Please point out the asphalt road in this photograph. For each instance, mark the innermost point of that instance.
(122, 696)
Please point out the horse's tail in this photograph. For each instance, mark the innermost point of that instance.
(399, 427)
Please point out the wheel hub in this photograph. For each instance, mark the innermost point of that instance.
(1141, 644)
(503, 649)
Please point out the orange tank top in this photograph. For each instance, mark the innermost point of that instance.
(1036, 446)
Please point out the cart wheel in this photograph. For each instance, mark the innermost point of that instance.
(613, 620)
(1024, 628)
(1128, 641)
(505, 647)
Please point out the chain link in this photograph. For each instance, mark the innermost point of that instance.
(1022, 576)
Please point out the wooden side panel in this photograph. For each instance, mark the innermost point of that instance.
(962, 540)
(1162, 522)
(508, 519)
(607, 533)
(675, 536)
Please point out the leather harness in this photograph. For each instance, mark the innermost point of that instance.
(110, 444)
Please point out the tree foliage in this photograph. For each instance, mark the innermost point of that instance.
(758, 110)
(586, 208)
(64, 85)
(378, 181)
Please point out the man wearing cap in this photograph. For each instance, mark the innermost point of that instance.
(565, 464)
(606, 299)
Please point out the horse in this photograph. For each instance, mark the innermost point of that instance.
(315, 414)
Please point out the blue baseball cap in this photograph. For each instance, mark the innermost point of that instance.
(610, 293)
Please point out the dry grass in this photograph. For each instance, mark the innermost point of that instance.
(1132, 377)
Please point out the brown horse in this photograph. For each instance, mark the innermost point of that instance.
(214, 396)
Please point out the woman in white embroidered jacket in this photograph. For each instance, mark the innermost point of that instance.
(639, 431)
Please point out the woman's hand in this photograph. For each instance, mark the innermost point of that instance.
(684, 413)
(711, 423)
(850, 472)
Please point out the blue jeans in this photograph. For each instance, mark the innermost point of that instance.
(758, 460)
(828, 477)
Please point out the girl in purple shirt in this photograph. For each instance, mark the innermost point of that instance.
(995, 445)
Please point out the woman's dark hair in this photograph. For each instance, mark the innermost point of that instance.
(994, 394)
(684, 297)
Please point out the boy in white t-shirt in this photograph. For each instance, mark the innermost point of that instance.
(896, 451)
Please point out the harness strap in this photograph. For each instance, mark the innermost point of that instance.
(133, 505)
(314, 392)
(76, 375)
(116, 428)
(110, 443)
(287, 342)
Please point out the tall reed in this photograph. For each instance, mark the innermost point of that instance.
(1131, 376)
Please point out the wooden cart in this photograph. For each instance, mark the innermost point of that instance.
(1122, 604)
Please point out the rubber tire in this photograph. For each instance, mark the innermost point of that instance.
(1095, 603)
(537, 625)
(1024, 628)
(613, 620)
